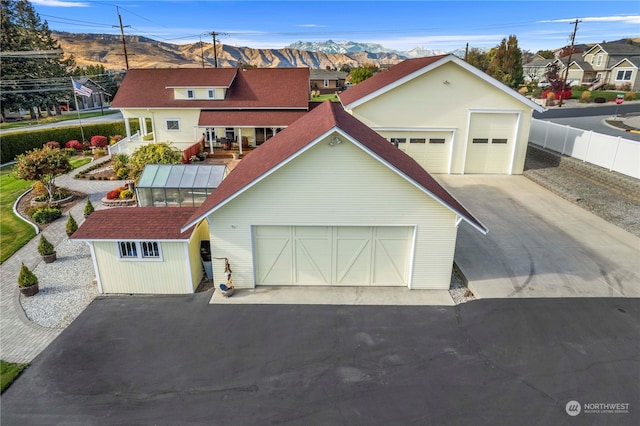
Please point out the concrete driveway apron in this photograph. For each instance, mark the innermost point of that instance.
(539, 245)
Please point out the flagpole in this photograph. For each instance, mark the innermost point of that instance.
(75, 96)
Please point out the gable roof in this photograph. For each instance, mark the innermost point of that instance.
(412, 68)
(303, 134)
(136, 223)
(247, 88)
(319, 74)
(616, 48)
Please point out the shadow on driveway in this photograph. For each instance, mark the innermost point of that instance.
(179, 360)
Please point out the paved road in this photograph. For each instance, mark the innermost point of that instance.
(597, 124)
(107, 118)
(178, 360)
(575, 109)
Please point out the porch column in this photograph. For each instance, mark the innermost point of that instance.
(127, 127)
(239, 133)
(143, 127)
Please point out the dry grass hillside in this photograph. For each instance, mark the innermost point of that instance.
(107, 50)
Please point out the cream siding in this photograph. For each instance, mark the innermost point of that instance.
(143, 277)
(200, 93)
(335, 186)
(442, 98)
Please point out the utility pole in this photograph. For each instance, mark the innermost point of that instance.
(566, 71)
(215, 51)
(466, 52)
(201, 51)
(124, 45)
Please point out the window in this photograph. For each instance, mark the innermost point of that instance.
(398, 140)
(139, 250)
(599, 60)
(211, 93)
(480, 140)
(498, 140)
(436, 140)
(326, 82)
(128, 249)
(173, 125)
(417, 140)
(623, 75)
(191, 94)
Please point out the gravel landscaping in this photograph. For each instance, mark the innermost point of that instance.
(66, 287)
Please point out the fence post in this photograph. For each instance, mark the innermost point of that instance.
(586, 155)
(566, 136)
(615, 154)
(546, 134)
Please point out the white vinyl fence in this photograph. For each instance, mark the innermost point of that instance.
(611, 152)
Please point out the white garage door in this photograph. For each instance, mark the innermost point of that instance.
(490, 144)
(332, 255)
(432, 150)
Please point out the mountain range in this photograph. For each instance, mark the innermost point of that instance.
(143, 52)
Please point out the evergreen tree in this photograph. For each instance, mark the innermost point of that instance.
(30, 80)
(506, 64)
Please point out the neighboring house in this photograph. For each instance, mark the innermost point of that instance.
(214, 106)
(330, 202)
(536, 69)
(142, 249)
(96, 100)
(446, 114)
(327, 81)
(614, 63)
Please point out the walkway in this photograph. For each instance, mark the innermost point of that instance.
(20, 339)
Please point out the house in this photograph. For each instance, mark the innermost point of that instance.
(328, 202)
(536, 68)
(143, 249)
(218, 107)
(327, 81)
(95, 100)
(614, 63)
(446, 114)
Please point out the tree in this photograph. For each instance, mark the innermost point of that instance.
(506, 64)
(478, 59)
(153, 153)
(99, 75)
(30, 80)
(43, 165)
(356, 75)
(547, 54)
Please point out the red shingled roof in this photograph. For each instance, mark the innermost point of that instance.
(255, 118)
(251, 88)
(308, 129)
(384, 78)
(136, 223)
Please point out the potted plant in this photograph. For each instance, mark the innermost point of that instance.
(27, 281)
(72, 225)
(88, 208)
(46, 250)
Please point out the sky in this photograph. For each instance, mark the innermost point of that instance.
(436, 25)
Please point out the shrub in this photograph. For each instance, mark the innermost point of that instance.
(87, 152)
(122, 173)
(629, 96)
(99, 141)
(113, 195)
(74, 143)
(26, 278)
(99, 152)
(115, 139)
(523, 90)
(52, 144)
(46, 215)
(125, 194)
(39, 189)
(45, 247)
(70, 152)
(88, 207)
(585, 97)
(72, 225)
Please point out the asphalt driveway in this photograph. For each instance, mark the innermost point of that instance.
(178, 360)
(539, 245)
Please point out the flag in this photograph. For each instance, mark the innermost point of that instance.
(81, 90)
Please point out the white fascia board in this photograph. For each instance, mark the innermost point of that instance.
(597, 45)
(413, 129)
(623, 60)
(92, 240)
(483, 230)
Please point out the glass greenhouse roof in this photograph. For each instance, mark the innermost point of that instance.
(182, 176)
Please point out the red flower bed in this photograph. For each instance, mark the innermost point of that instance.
(99, 141)
(113, 195)
(75, 144)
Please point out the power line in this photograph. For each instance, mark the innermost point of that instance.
(215, 51)
(566, 72)
(124, 44)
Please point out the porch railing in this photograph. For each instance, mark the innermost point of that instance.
(122, 147)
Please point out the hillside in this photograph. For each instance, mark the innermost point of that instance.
(143, 52)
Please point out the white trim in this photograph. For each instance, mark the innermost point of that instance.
(189, 271)
(632, 65)
(458, 220)
(414, 129)
(465, 143)
(166, 125)
(449, 58)
(516, 131)
(412, 257)
(453, 138)
(95, 266)
(190, 90)
(139, 257)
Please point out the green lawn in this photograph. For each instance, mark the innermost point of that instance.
(8, 373)
(56, 118)
(14, 232)
(608, 95)
(323, 98)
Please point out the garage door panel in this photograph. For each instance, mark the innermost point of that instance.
(493, 155)
(325, 255)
